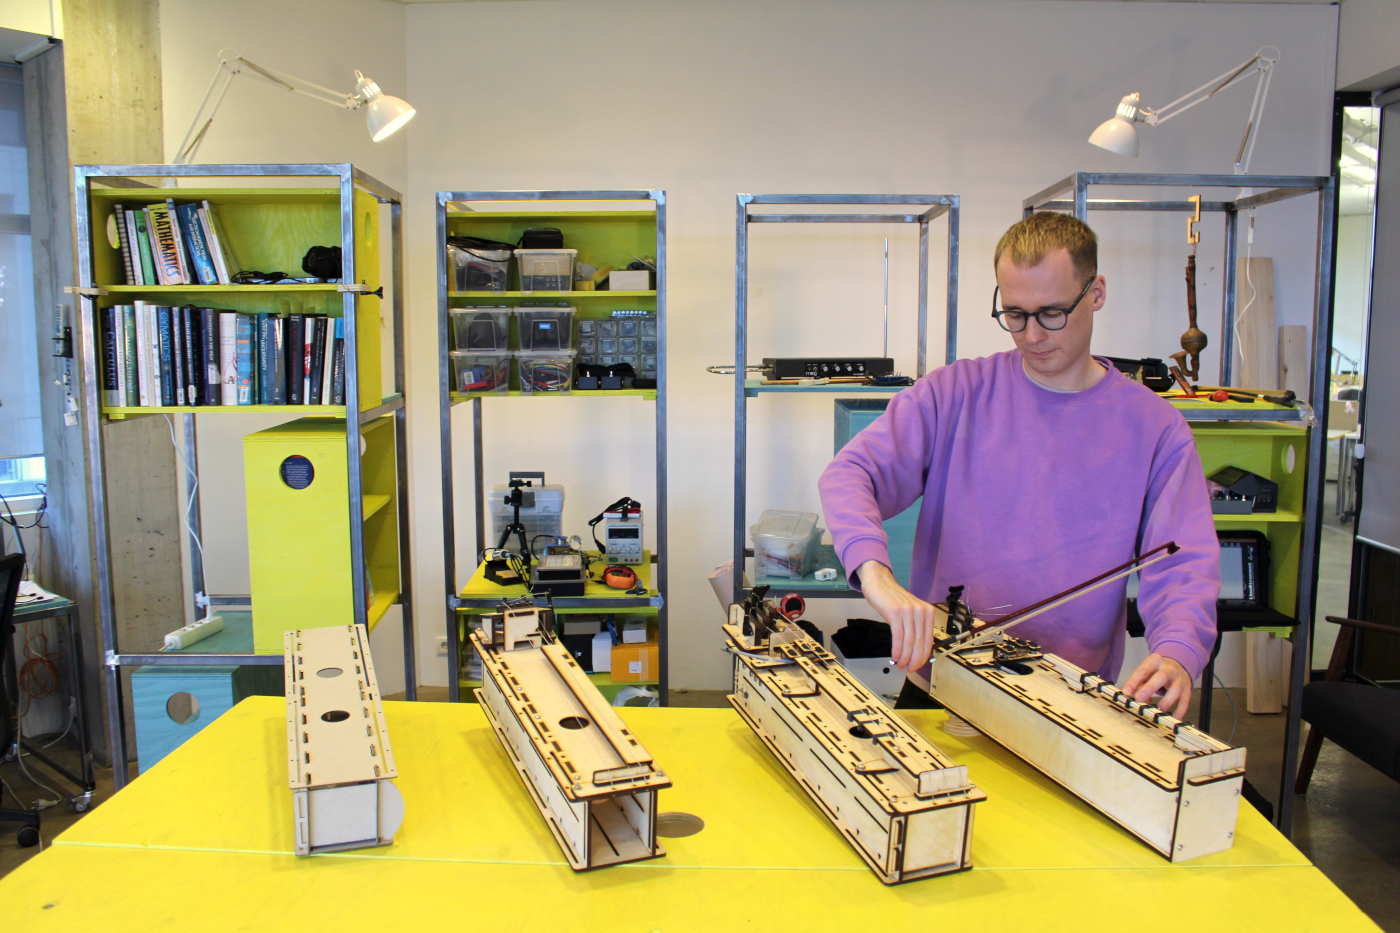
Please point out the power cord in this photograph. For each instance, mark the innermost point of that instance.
(625, 505)
(194, 488)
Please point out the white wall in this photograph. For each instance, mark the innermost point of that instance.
(322, 41)
(991, 101)
(1368, 54)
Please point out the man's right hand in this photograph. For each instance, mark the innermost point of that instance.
(909, 617)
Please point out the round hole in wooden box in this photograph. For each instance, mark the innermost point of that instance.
(182, 708)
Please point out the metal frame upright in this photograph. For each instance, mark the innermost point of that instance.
(1072, 194)
(348, 178)
(457, 602)
(934, 206)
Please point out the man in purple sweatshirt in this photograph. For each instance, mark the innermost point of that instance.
(1039, 468)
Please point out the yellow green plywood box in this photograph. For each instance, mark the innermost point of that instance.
(299, 525)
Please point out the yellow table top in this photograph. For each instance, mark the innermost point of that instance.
(203, 840)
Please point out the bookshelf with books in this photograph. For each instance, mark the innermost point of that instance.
(492, 314)
(220, 290)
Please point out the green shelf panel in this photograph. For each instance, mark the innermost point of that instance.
(648, 395)
(251, 195)
(537, 215)
(325, 411)
(548, 296)
(1283, 515)
(222, 289)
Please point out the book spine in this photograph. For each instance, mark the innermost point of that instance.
(231, 266)
(211, 242)
(165, 242)
(277, 361)
(177, 355)
(167, 383)
(133, 357)
(124, 243)
(119, 331)
(228, 357)
(209, 355)
(182, 258)
(143, 246)
(309, 335)
(296, 326)
(189, 350)
(316, 362)
(338, 364)
(133, 245)
(264, 393)
(109, 358)
(244, 358)
(327, 361)
(200, 262)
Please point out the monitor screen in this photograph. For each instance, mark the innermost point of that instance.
(616, 532)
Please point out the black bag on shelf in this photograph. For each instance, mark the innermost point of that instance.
(542, 238)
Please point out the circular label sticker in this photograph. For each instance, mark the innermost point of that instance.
(297, 472)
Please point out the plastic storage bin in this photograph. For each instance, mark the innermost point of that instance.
(546, 371)
(785, 544)
(546, 270)
(480, 328)
(545, 517)
(548, 329)
(477, 371)
(478, 270)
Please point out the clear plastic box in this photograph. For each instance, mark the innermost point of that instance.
(478, 270)
(785, 544)
(546, 329)
(545, 517)
(485, 328)
(477, 371)
(546, 270)
(546, 372)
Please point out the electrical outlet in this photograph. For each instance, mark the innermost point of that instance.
(442, 646)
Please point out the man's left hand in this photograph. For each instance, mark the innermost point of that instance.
(1158, 674)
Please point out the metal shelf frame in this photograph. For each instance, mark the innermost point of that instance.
(348, 178)
(920, 209)
(455, 602)
(1072, 194)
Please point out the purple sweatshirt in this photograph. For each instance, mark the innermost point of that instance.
(1028, 492)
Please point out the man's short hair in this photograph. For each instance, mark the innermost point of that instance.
(1035, 237)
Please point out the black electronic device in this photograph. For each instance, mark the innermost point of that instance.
(819, 367)
(561, 571)
(1151, 372)
(605, 376)
(1241, 484)
(1244, 570)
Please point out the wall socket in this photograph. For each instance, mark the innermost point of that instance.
(442, 646)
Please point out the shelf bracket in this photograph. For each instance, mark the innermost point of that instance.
(360, 288)
(85, 292)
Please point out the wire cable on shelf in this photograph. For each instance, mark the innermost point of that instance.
(194, 487)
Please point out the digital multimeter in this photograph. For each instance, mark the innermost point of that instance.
(622, 536)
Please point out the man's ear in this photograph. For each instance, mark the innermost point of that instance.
(1099, 291)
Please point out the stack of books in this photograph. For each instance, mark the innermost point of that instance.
(156, 356)
(174, 244)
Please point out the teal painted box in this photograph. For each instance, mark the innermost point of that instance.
(854, 415)
(170, 704)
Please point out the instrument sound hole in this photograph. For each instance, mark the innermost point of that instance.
(335, 715)
(574, 722)
(675, 824)
(860, 732)
(1013, 667)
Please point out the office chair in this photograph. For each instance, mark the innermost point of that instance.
(11, 569)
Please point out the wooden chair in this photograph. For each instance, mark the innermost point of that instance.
(1361, 718)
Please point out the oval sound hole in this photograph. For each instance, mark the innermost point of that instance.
(574, 722)
(1013, 667)
(674, 825)
(329, 672)
(860, 732)
(335, 715)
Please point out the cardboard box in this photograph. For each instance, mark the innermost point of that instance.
(602, 653)
(634, 663)
(634, 632)
(629, 280)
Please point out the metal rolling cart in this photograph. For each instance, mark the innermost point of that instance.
(1072, 195)
(348, 180)
(457, 601)
(920, 209)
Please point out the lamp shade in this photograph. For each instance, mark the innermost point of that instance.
(1117, 135)
(386, 115)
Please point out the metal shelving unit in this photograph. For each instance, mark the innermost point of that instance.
(1072, 194)
(654, 600)
(921, 209)
(348, 179)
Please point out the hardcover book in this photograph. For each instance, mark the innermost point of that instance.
(316, 361)
(130, 344)
(277, 361)
(338, 364)
(228, 357)
(177, 355)
(142, 219)
(181, 255)
(165, 246)
(328, 358)
(134, 246)
(111, 386)
(296, 361)
(142, 355)
(166, 366)
(200, 260)
(264, 362)
(194, 373)
(124, 243)
(244, 358)
(209, 356)
(222, 244)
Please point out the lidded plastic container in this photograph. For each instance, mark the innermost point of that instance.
(480, 328)
(478, 269)
(546, 270)
(785, 544)
(480, 371)
(546, 371)
(550, 329)
(545, 517)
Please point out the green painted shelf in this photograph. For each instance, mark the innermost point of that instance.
(648, 395)
(210, 289)
(550, 296)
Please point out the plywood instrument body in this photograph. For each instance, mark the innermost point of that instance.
(904, 806)
(592, 781)
(339, 762)
(1172, 785)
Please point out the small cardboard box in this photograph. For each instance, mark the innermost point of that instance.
(602, 653)
(634, 632)
(635, 663)
(629, 280)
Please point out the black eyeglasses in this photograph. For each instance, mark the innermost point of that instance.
(1013, 320)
